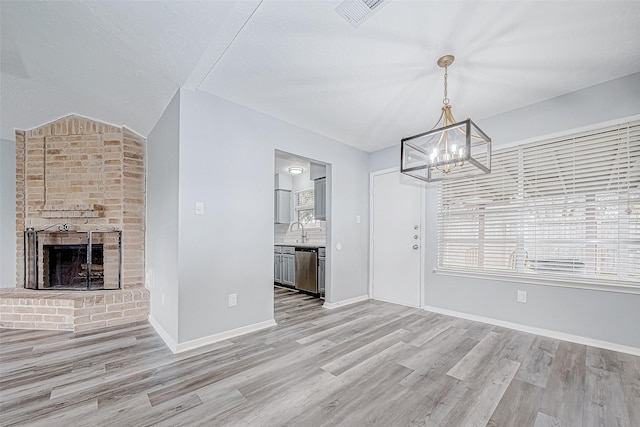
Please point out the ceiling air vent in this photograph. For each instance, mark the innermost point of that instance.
(358, 11)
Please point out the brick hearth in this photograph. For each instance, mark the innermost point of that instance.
(71, 311)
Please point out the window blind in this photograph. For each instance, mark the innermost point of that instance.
(305, 199)
(565, 208)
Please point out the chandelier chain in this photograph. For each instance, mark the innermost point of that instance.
(445, 101)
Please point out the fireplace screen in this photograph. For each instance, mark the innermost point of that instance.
(72, 260)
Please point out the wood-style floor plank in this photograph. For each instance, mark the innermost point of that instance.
(564, 393)
(536, 366)
(366, 364)
(604, 401)
(519, 405)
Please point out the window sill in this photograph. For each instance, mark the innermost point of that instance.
(587, 284)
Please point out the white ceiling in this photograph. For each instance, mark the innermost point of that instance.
(301, 62)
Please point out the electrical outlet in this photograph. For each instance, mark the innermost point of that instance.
(233, 300)
(522, 297)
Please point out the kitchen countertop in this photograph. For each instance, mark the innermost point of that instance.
(301, 245)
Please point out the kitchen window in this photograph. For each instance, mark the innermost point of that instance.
(566, 209)
(304, 204)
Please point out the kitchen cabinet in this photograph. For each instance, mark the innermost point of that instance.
(288, 269)
(284, 265)
(282, 206)
(316, 171)
(283, 182)
(320, 196)
(277, 264)
(321, 270)
(277, 268)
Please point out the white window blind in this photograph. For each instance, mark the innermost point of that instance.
(305, 199)
(567, 208)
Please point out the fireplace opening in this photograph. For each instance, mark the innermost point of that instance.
(66, 267)
(74, 260)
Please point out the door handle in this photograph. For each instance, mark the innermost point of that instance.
(415, 236)
(415, 247)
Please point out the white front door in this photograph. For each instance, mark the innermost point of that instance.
(397, 239)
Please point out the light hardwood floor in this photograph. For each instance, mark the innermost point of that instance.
(370, 363)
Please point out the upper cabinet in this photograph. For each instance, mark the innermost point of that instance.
(283, 182)
(320, 196)
(317, 171)
(282, 204)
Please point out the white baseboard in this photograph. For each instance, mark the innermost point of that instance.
(396, 303)
(538, 331)
(332, 305)
(173, 346)
(190, 345)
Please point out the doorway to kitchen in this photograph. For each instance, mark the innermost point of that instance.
(397, 222)
(301, 222)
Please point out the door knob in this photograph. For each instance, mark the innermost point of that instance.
(415, 236)
(415, 247)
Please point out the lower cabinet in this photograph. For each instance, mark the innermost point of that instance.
(321, 270)
(288, 269)
(277, 268)
(284, 265)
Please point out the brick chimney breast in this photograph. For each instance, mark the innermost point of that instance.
(85, 173)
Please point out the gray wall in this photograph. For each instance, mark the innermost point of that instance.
(7, 213)
(599, 315)
(163, 153)
(607, 101)
(226, 160)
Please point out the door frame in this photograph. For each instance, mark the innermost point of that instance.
(423, 263)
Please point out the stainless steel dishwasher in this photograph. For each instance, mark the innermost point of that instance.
(307, 270)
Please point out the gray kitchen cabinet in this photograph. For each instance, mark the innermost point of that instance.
(321, 270)
(288, 269)
(316, 171)
(277, 264)
(282, 206)
(284, 265)
(320, 196)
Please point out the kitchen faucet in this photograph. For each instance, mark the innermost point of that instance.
(304, 234)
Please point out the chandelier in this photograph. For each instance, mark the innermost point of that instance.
(450, 149)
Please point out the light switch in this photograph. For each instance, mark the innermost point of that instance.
(522, 297)
(199, 208)
(358, 219)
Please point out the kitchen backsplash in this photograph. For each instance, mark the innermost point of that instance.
(316, 235)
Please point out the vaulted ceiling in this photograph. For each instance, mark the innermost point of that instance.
(299, 61)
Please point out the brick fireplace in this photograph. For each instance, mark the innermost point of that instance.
(78, 177)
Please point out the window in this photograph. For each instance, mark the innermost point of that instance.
(564, 209)
(304, 208)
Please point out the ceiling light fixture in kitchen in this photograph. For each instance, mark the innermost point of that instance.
(450, 149)
(296, 170)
